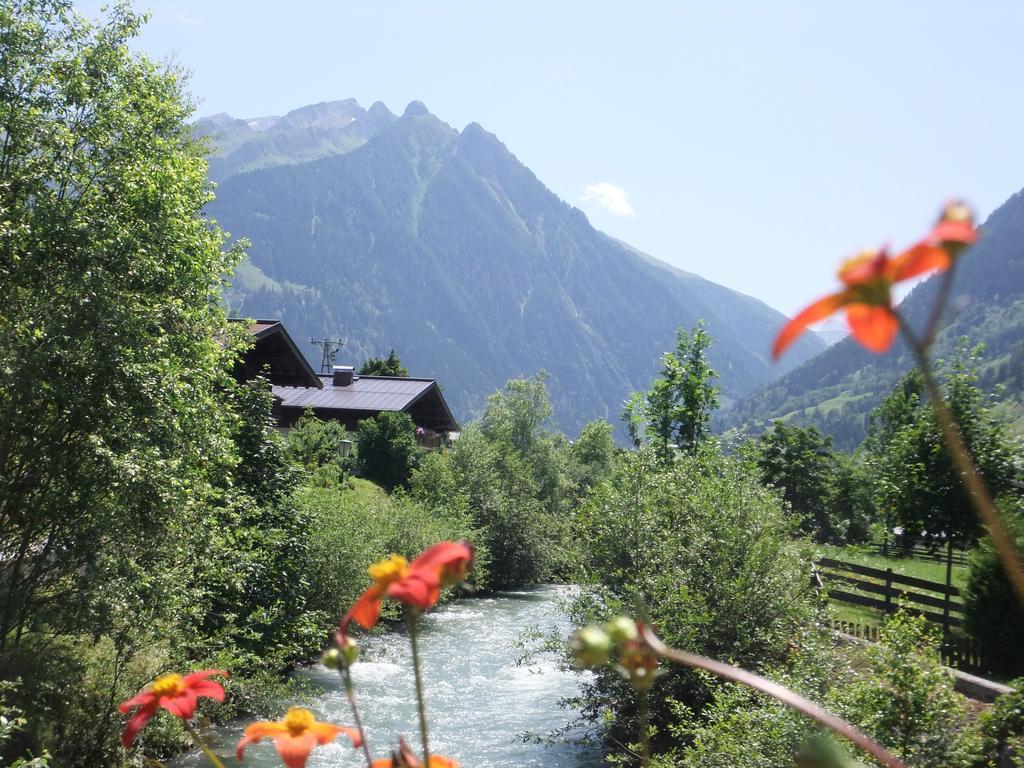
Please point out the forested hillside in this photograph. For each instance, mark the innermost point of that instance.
(838, 388)
(443, 246)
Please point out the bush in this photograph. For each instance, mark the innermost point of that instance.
(352, 531)
(708, 550)
(388, 451)
(319, 446)
(1002, 731)
(907, 701)
(992, 614)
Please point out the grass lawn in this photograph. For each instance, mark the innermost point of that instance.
(365, 488)
(921, 569)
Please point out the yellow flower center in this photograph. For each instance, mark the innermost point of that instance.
(298, 720)
(388, 571)
(168, 685)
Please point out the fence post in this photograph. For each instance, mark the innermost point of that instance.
(888, 590)
(949, 587)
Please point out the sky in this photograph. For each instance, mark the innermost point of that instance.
(756, 144)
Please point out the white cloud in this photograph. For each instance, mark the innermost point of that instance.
(182, 18)
(608, 196)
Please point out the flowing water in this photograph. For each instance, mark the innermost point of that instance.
(480, 701)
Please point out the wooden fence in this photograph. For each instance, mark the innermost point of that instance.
(888, 591)
(921, 552)
(957, 651)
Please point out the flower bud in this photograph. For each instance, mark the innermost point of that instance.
(591, 646)
(332, 658)
(621, 628)
(638, 664)
(350, 651)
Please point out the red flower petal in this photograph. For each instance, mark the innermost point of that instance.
(257, 731)
(138, 721)
(819, 310)
(420, 590)
(874, 327)
(138, 700)
(366, 610)
(920, 258)
(183, 705)
(294, 750)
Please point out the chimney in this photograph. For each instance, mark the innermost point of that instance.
(342, 375)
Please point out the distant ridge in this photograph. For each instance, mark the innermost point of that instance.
(404, 233)
(838, 388)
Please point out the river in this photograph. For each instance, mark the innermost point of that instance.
(479, 700)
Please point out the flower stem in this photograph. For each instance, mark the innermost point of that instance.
(644, 716)
(977, 491)
(202, 744)
(346, 676)
(420, 704)
(776, 691)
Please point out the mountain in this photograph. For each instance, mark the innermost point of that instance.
(838, 388)
(308, 133)
(442, 245)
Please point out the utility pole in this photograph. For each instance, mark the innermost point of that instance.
(330, 348)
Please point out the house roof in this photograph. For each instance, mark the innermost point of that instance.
(275, 349)
(367, 396)
(365, 393)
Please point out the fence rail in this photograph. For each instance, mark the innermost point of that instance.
(921, 552)
(885, 590)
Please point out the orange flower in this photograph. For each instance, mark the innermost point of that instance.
(417, 584)
(295, 736)
(404, 758)
(174, 693)
(868, 279)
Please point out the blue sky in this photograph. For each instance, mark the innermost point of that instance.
(756, 144)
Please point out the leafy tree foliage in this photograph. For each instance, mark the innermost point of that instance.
(389, 366)
(322, 447)
(593, 454)
(830, 493)
(388, 451)
(145, 520)
(709, 552)
(517, 481)
(677, 409)
(918, 484)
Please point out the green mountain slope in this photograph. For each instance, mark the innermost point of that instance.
(837, 389)
(443, 246)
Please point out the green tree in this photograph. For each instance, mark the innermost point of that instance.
(708, 550)
(676, 410)
(516, 415)
(799, 462)
(388, 451)
(593, 454)
(917, 483)
(114, 435)
(389, 366)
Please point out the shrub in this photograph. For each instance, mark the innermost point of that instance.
(1002, 731)
(388, 451)
(352, 531)
(708, 550)
(992, 614)
(907, 702)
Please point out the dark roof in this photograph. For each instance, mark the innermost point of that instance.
(367, 396)
(365, 393)
(274, 349)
